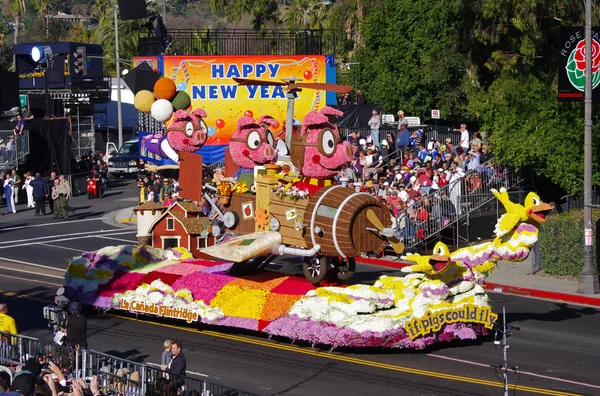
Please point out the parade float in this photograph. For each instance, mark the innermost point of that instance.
(187, 264)
(440, 298)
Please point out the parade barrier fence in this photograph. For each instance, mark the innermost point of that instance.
(12, 149)
(431, 132)
(115, 375)
(442, 208)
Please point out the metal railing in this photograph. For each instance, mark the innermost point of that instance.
(430, 133)
(83, 135)
(245, 42)
(442, 208)
(13, 149)
(115, 375)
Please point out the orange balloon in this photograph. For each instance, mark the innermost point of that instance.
(165, 88)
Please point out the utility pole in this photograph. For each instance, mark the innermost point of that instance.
(588, 279)
(165, 12)
(119, 110)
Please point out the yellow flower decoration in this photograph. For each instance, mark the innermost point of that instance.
(185, 294)
(185, 254)
(240, 302)
(261, 217)
(77, 270)
(240, 187)
(333, 296)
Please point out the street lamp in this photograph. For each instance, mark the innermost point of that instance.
(305, 18)
(588, 279)
(118, 64)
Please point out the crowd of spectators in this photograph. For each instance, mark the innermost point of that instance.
(420, 179)
(61, 369)
(158, 188)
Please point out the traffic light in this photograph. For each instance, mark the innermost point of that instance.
(80, 61)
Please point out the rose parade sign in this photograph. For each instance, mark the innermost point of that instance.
(572, 61)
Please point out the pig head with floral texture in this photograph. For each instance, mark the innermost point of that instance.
(252, 142)
(317, 150)
(187, 132)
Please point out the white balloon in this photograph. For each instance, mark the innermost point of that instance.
(161, 110)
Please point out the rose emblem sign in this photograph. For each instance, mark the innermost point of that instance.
(576, 65)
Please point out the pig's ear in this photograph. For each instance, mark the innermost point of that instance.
(182, 115)
(200, 113)
(330, 111)
(267, 119)
(245, 122)
(312, 118)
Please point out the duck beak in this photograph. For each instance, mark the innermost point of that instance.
(439, 263)
(540, 212)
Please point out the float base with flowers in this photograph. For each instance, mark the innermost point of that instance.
(413, 311)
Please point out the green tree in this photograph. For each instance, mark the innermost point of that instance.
(412, 58)
(262, 13)
(104, 33)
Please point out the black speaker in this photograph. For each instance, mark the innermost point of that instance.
(149, 46)
(55, 74)
(132, 9)
(142, 77)
(9, 90)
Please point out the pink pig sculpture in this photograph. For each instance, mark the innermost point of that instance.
(318, 152)
(187, 132)
(252, 143)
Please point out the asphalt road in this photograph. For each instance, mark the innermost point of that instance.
(555, 350)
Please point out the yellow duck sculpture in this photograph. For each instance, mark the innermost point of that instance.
(517, 230)
(434, 264)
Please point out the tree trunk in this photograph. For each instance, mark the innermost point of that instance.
(16, 38)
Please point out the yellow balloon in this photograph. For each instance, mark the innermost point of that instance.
(143, 101)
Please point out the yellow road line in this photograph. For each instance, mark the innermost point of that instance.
(331, 356)
(347, 359)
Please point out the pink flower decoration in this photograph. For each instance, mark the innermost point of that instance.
(240, 323)
(204, 286)
(182, 269)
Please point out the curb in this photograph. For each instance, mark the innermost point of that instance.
(543, 294)
(499, 288)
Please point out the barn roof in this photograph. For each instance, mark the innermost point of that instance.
(149, 205)
(189, 207)
(193, 226)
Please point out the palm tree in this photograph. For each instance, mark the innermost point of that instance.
(17, 9)
(42, 7)
(104, 35)
(316, 15)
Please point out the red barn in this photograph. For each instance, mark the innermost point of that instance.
(182, 225)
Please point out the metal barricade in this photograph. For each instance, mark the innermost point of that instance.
(441, 208)
(16, 349)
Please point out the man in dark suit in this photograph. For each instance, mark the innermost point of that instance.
(178, 364)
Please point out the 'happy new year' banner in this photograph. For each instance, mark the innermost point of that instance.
(209, 82)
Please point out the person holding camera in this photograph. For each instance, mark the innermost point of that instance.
(75, 327)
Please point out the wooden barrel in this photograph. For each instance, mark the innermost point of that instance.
(336, 218)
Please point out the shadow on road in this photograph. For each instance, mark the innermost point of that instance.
(564, 312)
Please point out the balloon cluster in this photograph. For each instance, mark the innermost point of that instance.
(165, 100)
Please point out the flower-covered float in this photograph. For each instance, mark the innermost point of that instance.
(441, 297)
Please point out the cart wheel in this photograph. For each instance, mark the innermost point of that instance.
(315, 268)
(345, 269)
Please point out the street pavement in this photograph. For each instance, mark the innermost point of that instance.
(555, 350)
